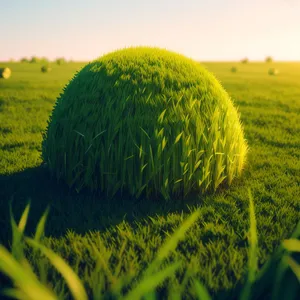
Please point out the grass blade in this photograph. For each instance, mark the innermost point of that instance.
(180, 234)
(41, 226)
(69, 275)
(294, 266)
(24, 217)
(253, 249)
(292, 245)
(17, 232)
(149, 283)
(171, 244)
(15, 294)
(22, 278)
(201, 291)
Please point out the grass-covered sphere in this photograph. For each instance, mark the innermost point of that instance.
(144, 120)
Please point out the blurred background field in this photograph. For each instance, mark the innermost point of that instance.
(216, 249)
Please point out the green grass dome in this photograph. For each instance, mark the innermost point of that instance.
(144, 120)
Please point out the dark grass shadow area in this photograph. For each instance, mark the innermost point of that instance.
(80, 212)
(83, 212)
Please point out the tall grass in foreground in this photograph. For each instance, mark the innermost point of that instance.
(28, 286)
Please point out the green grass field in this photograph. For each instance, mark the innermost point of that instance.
(129, 233)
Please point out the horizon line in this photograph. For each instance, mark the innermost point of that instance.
(13, 60)
(206, 61)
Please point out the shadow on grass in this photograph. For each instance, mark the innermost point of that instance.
(84, 212)
(80, 212)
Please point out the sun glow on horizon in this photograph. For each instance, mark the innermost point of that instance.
(221, 30)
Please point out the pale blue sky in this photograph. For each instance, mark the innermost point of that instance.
(213, 30)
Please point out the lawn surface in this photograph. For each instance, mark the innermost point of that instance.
(216, 248)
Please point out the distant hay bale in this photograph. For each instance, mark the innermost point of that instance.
(45, 69)
(233, 69)
(35, 59)
(273, 71)
(269, 59)
(60, 61)
(5, 73)
(24, 60)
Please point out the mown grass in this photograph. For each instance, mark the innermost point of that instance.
(128, 233)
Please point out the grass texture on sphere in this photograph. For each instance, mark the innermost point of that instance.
(144, 120)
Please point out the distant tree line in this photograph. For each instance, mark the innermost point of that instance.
(44, 60)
